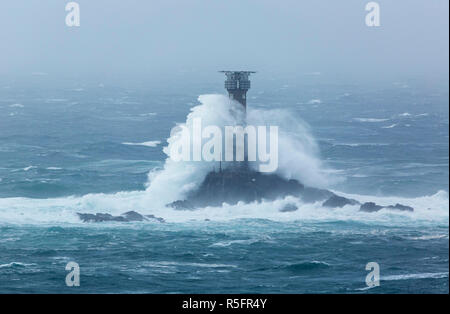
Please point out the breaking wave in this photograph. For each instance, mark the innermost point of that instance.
(299, 159)
(416, 276)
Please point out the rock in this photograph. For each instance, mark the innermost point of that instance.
(372, 207)
(242, 184)
(290, 207)
(238, 185)
(401, 207)
(338, 201)
(99, 217)
(125, 217)
(181, 205)
(133, 216)
(161, 220)
(311, 195)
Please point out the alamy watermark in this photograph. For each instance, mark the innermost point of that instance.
(373, 277)
(73, 277)
(373, 17)
(73, 17)
(240, 143)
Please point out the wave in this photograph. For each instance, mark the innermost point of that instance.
(389, 126)
(16, 106)
(361, 144)
(430, 237)
(15, 265)
(148, 144)
(415, 276)
(307, 266)
(241, 242)
(183, 264)
(56, 100)
(231, 242)
(429, 210)
(298, 151)
(371, 120)
(314, 102)
(298, 159)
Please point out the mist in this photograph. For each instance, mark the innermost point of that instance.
(157, 40)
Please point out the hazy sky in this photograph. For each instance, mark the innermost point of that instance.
(147, 38)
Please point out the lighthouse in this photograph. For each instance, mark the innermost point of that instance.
(237, 84)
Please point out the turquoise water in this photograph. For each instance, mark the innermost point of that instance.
(90, 148)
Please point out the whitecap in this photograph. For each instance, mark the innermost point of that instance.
(389, 126)
(314, 102)
(415, 276)
(148, 144)
(16, 106)
(430, 237)
(187, 264)
(15, 264)
(370, 120)
(57, 100)
(231, 242)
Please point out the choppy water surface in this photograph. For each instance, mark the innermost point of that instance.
(90, 148)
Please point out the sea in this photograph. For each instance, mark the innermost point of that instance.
(71, 146)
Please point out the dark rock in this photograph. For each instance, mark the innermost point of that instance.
(370, 207)
(311, 195)
(87, 217)
(181, 205)
(133, 216)
(99, 217)
(290, 207)
(338, 201)
(401, 207)
(235, 185)
(156, 218)
(125, 217)
(241, 184)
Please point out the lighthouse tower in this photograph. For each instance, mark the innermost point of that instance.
(237, 84)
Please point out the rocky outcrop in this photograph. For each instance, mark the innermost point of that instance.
(242, 185)
(245, 185)
(401, 207)
(371, 207)
(100, 217)
(338, 201)
(156, 218)
(125, 217)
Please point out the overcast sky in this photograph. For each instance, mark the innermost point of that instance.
(142, 38)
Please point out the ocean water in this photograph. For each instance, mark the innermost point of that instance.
(83, 147)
